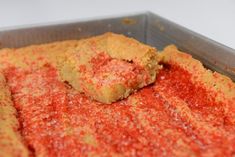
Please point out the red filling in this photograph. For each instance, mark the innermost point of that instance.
(173, 117)
(107, 71)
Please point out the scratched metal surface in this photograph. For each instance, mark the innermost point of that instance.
(146, 27)
(131, 25)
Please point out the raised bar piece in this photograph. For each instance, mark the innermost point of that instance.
(109, 67)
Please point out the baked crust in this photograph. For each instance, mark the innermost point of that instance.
(10, 139)
(35, 56)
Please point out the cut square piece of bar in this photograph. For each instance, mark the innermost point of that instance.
(109, 67)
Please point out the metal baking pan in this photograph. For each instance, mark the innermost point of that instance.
(146, 27)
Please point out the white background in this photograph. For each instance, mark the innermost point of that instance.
(212, 18)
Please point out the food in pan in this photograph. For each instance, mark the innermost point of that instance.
(187, 111)
(106, 68)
